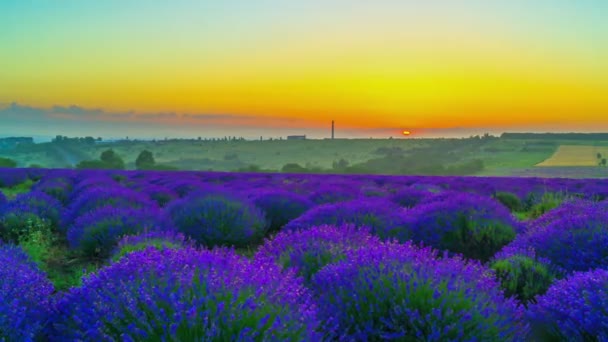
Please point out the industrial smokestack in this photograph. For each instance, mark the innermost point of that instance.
(332, 129)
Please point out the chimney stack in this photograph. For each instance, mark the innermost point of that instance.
(332, 129)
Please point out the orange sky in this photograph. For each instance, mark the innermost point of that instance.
(391, 64)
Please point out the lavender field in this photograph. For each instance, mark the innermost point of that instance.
(200, 256)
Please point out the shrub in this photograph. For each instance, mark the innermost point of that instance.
(96, 233)
(27, 213)
(468, 224)
(7, 163)
(509, 200)
(24, 296)
(3, 201)
(522, 274)
(574, 242)
(281, 207)
(573, 309)
(219, 220)
(94, 198)
(307, 251)
(401, 292)
(548, 201)
(156, 239)
(186, 295)
(383, 218)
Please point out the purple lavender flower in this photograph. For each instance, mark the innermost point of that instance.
(186, 295)
(24, 296)
(94, 198)
(574, 309)
(399, 291)
(12, 177)
(96, 233)
(280, 207)
(410, 197)
(57, 187)
(574, 241)
(219, 220)
(333, 194)
(472, 225)
(3, 201)
(307, 251)
(384, 218)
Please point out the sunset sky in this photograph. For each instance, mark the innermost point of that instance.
(253, 67)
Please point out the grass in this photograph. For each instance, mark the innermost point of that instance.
(21, 188)
(52, 255)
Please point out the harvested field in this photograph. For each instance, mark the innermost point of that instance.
(575, 155)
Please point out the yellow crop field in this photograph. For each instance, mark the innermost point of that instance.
(575, 155)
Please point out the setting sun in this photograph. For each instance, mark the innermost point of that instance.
(406, 133)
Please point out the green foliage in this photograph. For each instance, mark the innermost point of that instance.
(92, 164)
(523, 277)
(109, 160)
(18, 189)
(52, 256)
(16, 226)
(293, 168)
(145, 160)
(112, 159)
(7, 163)
(510, 200)
(37, 241)
(156, 243)
(475, 243)
(550, 200)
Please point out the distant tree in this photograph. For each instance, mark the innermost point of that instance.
(599, 155)
(340, 164)
(112, 160)
(603, 162)
(145, 160)
(92, 164)
(7, 163)
(293, 168)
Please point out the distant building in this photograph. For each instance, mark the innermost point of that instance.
(296, 137)
(12, 142)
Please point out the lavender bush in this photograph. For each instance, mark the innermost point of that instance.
(158, 239)
(96, 233)
(280, 207)
(384, 218)
(24, 296)
(219, 220)
(468, 224)
(26, 212)
(307, 251)
(574, 309)
(186, 295)
(95, 198)
(400, 292)
(576, 241)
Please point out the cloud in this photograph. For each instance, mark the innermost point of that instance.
(76, 110)
(22, 114)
